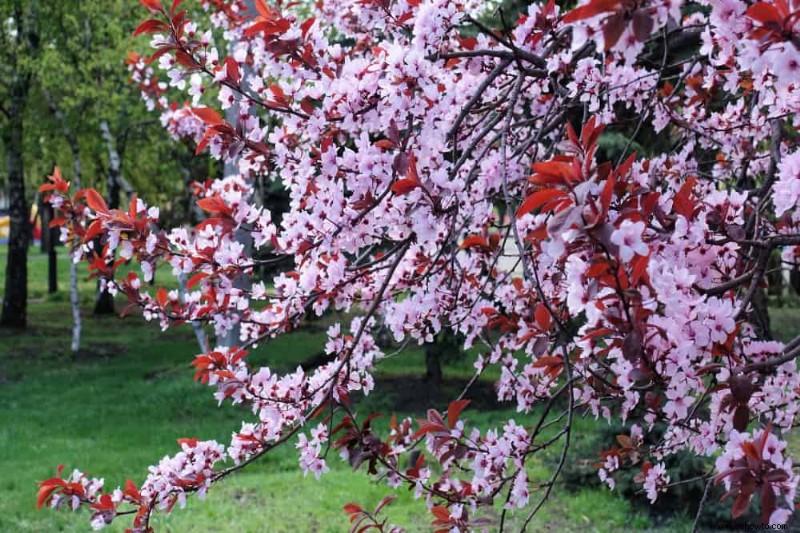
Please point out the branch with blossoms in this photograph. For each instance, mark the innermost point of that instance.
(446, 172)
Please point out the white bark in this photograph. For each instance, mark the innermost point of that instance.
(77, 171)
(202, 341)
(74, 297)
(74, 301)
(242, 281)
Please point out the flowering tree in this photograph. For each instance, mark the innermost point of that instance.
(453, 170)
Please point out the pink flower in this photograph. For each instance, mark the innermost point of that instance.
(787, 188)
(780, 516)
(629, 239)
(656, 480)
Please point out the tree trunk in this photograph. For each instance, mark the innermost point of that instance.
(39, 215)
(49, 237)
(759, 316)
(77, 177)
(446, 346)
(75, 303)
(74, 297)
(202, 340)
(15, 298)
(433, 363)
(104, 303)
(243, 281)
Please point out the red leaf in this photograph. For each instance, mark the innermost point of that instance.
(599, 332)
(131, 491)
(639, 268)
(412, 168)
(548, 361)
(352, 508)
(467, 43)
(426, 426)
(57, 182)
(95, 229)
(441, 513)
(232, 69)
(214, 205)
(594, 8)
(307, 105)
(194, 279)
(767, 502)
(161, 297)
(204, 141)
(642, 25)
(58, 221)
(591, 133)
(280, 96)
(454, 410)
(554, 172)
(385, 144)
(741, 504)
(538, 199)
(95, 201)
(764, 13)
(208, 115)
(598, 268)
(104, 503)
(605, 196)
(46, 490)
(764, 436)
(404, 186)
(152, 5)
(306, 25)
(186, 60)
(613, 29)
(151, 26)
(384, 502)
(741, 417)
(683, 204)
(473, 241)
(263, 9)
(543, 318)
(160, 52)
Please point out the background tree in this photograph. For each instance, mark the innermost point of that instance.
(20, 43)
(66, 95)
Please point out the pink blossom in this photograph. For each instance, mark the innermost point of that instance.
(628, 237)
(656, 480)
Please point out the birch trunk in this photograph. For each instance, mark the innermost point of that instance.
(104, 303)
(77, 176)
(242, 281)
(74, 297)
(202, 340)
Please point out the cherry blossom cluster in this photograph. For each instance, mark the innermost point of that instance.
(592, 198)
(756, 463)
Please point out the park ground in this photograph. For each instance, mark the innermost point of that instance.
(121, 404)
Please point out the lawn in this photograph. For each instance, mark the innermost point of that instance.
(120, 406)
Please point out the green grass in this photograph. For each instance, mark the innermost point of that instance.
(785, 322)
(115, 414)
(120, 407)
